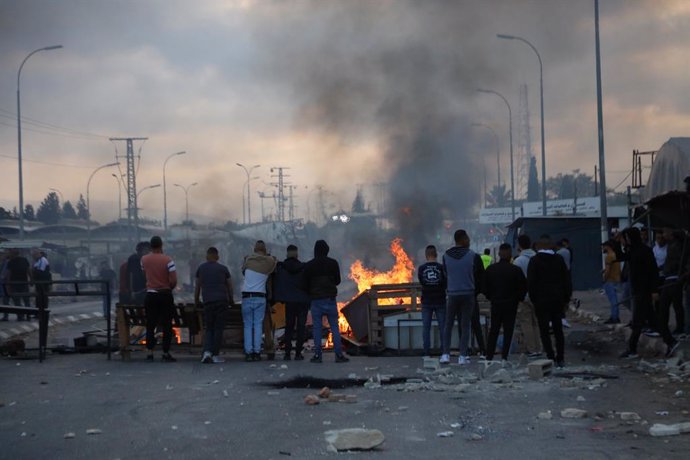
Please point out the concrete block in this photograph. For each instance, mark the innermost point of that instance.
(659, 429)
(540, 368)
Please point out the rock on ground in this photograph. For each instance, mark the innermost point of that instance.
(354, 439)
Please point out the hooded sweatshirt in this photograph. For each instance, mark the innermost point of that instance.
(464, 270)
(256, 269)
(321, 274)
(287, 281)
(522, 260)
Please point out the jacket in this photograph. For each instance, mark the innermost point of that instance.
(432, 277)
(548, 280)
(504, 283)
(643, 273)
(465, 276)
(287, 280)
(321, 274)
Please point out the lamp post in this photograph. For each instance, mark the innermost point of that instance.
(88, 201)
(19, 138)
(165, 191)
(600, 125)
(119, 196)
(541, 97)
(510, 134)
(498, 154)
(147, 188)
(186, 198)
(248, 172)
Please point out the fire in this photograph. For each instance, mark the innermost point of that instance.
(401, 272)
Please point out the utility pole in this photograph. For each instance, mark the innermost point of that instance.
(132, 208)
(281, 184)
(600, 125)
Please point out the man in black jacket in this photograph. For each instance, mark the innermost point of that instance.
(549, 289)
(320, 280)
(286, 282)
(432, 277)
(644, 285)
(505, 286)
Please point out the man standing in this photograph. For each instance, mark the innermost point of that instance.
(432, 277)
(213, 282)
(18, 276)
(673, 275)
(526, 317)
(161, 279)
(505, 286)
(321, 280)
(40, 272)
(286, 288)
(486, 258)
(256, 268)
(549, 288)
(137, 278)
(465, 272)
(612, 278)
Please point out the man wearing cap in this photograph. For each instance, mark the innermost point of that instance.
(161, 279)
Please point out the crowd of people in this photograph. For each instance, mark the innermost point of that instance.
(16, 277)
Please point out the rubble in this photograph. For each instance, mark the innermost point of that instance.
(311, 400)
(659, 429)
(325, 392)
(70, 435)
(92, 431)
(547, 415)
(445, 434)
(573, 413)
(354, 439)
(629, 416)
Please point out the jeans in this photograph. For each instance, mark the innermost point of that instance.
(214, 325)
(295, 315)
(329, 308)
(611, 288)
(462, 307)
(428, 310)
(550, 314)
(253, 311)
(502, 314)
(159, 312)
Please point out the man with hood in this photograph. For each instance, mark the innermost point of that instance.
(465, 273)
(320, 280)
(256, 268)
(526, 317)
(286, 289)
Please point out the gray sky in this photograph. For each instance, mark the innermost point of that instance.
(343, 93)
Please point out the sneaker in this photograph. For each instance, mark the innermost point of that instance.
(316, 359)
(535, 354)
(629, 355)
(672, 348)
(650, 333)
(248, 357)
(207, 358)
(445, 358)
(287, 356)
(341, 359)
(167, 358)
(565, 323)
(462, 360)
(217, 360)
(612, 321)
(299, 357)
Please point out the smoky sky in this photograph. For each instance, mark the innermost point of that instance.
(343, 93)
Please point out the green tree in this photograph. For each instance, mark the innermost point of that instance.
(49, 210)
(5, 214)
(498, 196)
(29, 213)
(68, 211)
(533, 192)
(82, 211)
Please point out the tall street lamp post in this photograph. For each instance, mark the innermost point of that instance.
(119, 196)
(165, 191)
(186, 198)
(541, 97)
(498, 157)
(600, 125)
(248, 172)
(88, 200)
(19, 138)
(510, 133)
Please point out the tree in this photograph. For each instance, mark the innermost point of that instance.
(568, 186)
(358, 203)
(5, 214)
(29, 213)
(68, 211)
(49, 210)
(82, 211)
(498, 196)
(533, 193)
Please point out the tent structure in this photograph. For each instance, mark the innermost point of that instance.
(671, 166)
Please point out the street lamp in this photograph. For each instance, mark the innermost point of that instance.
(186, 198)
(248, 172)
(541, 97)
(88, 200)
(147, 188)
(165, 191)
(498, 155)
(119, 196)
(19, 139)
(510, 133)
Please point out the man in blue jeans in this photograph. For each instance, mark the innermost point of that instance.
(432, 277)
(320, 280)
(256, 268)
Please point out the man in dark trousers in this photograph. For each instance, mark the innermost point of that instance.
(432, 277)
(214, 284)
(320, 280)
(505, 286)
(287, 280)
(136, 276)
(549, 289)
(19, 275)
(465, 272)
(644, 285)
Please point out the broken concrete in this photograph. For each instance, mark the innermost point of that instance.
(573, 413)
(354, 439)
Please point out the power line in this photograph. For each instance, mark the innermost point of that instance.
(51, 133)
(62, 165)
(43, 124)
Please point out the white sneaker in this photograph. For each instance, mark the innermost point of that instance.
(462, 360)
(565, 323)
(445, 359)
(218, 360)
(207, 358)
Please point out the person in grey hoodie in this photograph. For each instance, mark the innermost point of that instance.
(465, 273)
(526, 317)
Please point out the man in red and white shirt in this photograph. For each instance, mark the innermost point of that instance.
(161, 279)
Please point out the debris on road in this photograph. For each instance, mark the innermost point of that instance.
(573, 413)
(354, 439)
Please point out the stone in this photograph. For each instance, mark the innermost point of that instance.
(547, 415)
(445, 434)
(325, 392)
(371, 385)
(684, 427)
(431, 363)
(70, 435)
(539, 368)
(659, 429)
(573, 413)
(476, 437)
(523, 361)
(679, 393)
(490, 368)
(93, 431)
(629, 416)
(311, 400)
(354, 439)
(580, 398)
(501, 376)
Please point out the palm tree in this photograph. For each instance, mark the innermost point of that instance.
(498, 196)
